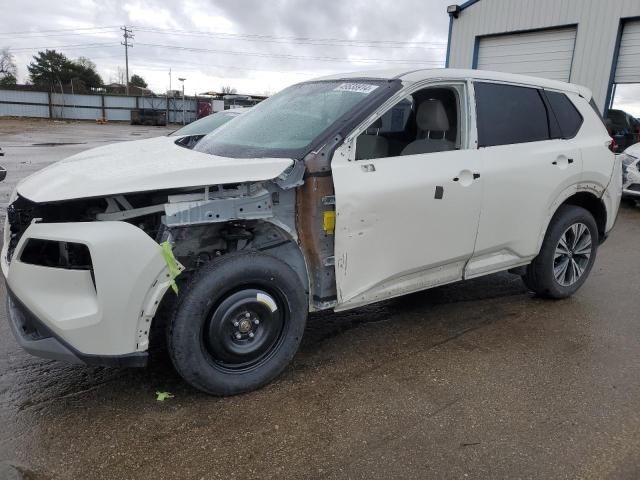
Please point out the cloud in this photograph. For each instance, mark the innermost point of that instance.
(223, 56)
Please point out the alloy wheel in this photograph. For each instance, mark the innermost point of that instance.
(572, 254)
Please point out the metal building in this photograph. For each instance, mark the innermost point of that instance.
(595, 43)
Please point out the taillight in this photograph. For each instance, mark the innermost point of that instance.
(613, 146)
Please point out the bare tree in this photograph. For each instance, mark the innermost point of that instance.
(86, 63)
(7, 63)
(226, 89)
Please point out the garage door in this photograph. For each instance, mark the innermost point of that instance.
(545, 54)
(628, 67)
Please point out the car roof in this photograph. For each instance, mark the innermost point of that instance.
(413, 76)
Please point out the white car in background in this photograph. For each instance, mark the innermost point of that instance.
(631, 172)
(189, 135)
(332, 194)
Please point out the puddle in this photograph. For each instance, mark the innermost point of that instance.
(56, 144)
(11, 471)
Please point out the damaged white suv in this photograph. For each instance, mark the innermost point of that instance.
(332, 194)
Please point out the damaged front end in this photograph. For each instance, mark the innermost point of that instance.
(86, 277)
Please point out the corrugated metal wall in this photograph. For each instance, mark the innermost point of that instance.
(15, 103)
(598, 24)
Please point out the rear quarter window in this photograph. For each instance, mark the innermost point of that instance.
(509, 114)
(566, 113)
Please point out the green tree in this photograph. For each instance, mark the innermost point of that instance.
(8, 80)
(49, 69)
(137, 81)
(84, 75)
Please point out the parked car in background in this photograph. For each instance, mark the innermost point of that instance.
(631, 172)
(3, 171)
(625, 129)
(332, 194)
(189, 135)
(149, 117)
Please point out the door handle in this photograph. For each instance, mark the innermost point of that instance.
(569, 161)
(475, 177)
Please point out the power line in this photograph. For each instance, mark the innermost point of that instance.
(274, 37)
(99, 34)
(53, 47)
(300, 40)
(286, 56)
(41, 32)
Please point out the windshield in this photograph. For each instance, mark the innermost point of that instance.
(205, 125)
(286, 124)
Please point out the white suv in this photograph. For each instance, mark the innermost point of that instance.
(332, 194)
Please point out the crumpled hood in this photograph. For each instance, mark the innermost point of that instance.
(139, 166)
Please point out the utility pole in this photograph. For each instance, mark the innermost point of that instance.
(184, 106)
(168, 93)
(127, 34)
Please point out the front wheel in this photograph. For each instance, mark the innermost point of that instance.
(239, 323)
(567, 254)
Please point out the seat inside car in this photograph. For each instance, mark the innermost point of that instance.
(371, 144)
(431, 117)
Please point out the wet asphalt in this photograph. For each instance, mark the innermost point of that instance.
(480, 379)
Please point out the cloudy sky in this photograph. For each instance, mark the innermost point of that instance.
(255, 46)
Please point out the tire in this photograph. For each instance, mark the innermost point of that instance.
(545, 275)
(238, 324)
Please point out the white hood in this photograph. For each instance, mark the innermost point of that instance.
(142, 165)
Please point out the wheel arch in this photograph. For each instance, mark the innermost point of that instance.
(270, 238)
(580, 197)
(593, 205)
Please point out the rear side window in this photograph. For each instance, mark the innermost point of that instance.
(566, 113)
(509, 114)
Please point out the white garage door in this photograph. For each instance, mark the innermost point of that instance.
(545, 54)
(628, 68)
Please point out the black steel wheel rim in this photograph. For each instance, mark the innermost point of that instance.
(245, 329)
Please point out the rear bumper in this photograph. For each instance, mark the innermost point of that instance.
(612, 196)
(100, 316)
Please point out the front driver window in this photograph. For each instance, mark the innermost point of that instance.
(426, 121)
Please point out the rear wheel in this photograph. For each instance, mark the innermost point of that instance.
(567, 254)
(239, 323)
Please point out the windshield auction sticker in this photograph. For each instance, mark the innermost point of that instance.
(356, 88)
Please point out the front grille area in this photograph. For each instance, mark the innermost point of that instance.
(19, 215)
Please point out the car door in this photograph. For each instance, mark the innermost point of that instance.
(524, 168)
(404, 222)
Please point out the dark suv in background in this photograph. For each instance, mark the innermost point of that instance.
(624, 128)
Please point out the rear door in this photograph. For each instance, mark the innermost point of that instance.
(526, 164)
